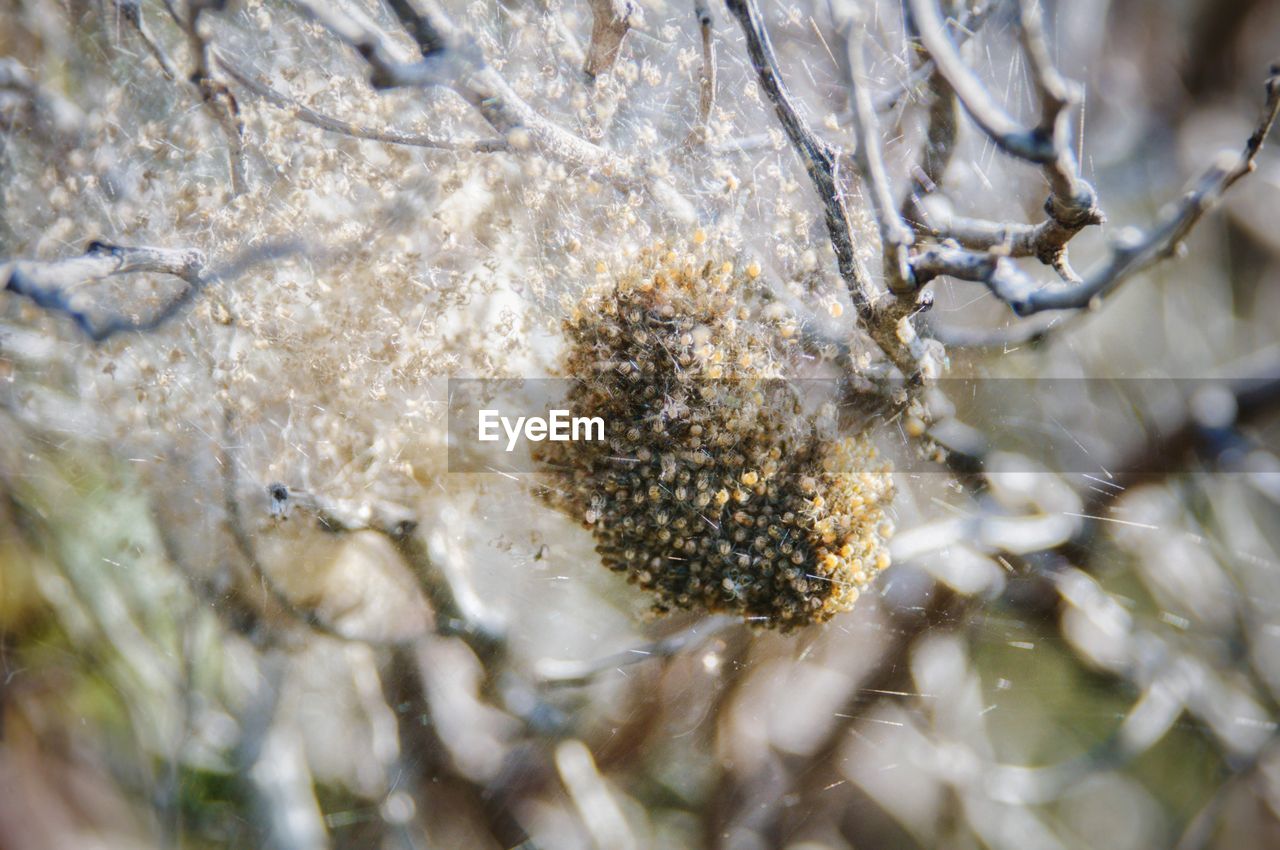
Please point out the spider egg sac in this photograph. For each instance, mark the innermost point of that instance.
(712, 489)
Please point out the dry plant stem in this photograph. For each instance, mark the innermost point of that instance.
(553, 672)
(1073, 199)
(939, 147)
(707, 81)
(1072, 204)
(336, 125)
(1133, 252)
(895, 236)
(821, 162)
(453, 618)
(450, 62)
(53, 285)
(940, 136)
(217, 98)
(401, 528)
(131, 11)
(275, 595)
(1031, 144)
(610, 23)
(967, 23)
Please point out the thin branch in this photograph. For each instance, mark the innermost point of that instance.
(1072, 199)
(1005, 280)
(402, 529)
(1072, 205)
(611, 20)
(227, 463)
(1014, 239)
(336, 125)
(1031, 144)
(53, 285)
(430, 38)
(939, 147)
(131, 11)
(1133, 251)
(452, 61)
(558, 673)
(895, 236)
(821, 160)
(217, 98)
(707, 79)
(941, 133)
(965, 25)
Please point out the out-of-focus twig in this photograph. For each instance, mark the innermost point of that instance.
(707, 77)
(895, 236)
(559, 673)
(1131, 252)
(611, 20)
(346, 128)
(449, 60)
(889, 326)
(53, 285)
(216, 97)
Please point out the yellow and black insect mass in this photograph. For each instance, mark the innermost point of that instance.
(714, 489)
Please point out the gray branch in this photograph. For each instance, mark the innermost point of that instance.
(895, 236)
(1031, 144)
(1132, 252)
(1072, 205)
(346, 128)
(707, 80)
(821, 161)
(611, 20)
(53, 285)
(450, 60)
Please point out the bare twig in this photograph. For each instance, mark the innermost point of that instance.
(559, 673)
(451, 60)
(895, 236)
(1073, 200)
(611, 20)
(965, 25)
(939, 147)
(1072, 205)
(216, 97)
(1031, 144)
(1005, 280)
(227, 463)
(53, 285)
(889, 327)
(346, 128)
(941, 135)
(707, 80)
(1131, 252)
(402, 529)
(131, 11)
